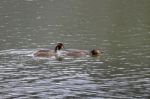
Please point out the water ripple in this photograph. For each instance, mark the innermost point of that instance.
(23, 76)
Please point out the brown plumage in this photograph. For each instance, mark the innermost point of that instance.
(82, 53)
(49, 53)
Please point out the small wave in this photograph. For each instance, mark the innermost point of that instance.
(17, 52)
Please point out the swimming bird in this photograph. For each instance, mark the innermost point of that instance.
(49, 53)
(83, 53)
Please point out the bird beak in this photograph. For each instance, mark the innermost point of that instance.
(63, 47)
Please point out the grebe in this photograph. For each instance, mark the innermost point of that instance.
(82, 53)
(49, 53)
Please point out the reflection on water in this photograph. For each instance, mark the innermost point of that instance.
(120, 28)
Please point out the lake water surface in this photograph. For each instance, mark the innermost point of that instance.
(120, 28)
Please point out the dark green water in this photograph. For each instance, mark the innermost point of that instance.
(121, 28)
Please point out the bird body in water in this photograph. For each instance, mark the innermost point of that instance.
(83, 53)
(49, 53)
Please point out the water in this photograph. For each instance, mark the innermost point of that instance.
(121, 28)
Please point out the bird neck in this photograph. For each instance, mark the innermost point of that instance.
(56, 48)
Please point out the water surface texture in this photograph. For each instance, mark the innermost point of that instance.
(121, 28)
